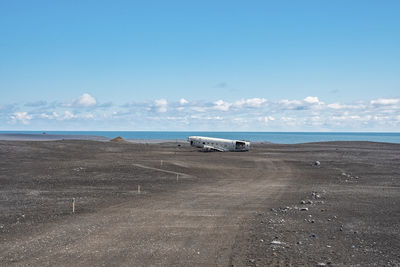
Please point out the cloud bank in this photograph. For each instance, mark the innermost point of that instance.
(247, 114)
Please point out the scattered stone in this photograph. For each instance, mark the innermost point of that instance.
(262, 240)
(302, 202)
(317, 163)
(299, 242)
(252, 260)
(313, 236)
(321, 264)
(309, 202)
(304, 209)
(315, 195)
(276, 242)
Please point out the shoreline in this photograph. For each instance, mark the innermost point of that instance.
(61, 137)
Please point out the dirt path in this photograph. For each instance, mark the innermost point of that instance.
(195, 226)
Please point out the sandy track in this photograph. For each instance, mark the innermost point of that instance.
(193, 226)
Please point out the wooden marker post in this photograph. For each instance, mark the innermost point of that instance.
(177, 177)
(161, 163)
(73, 205)
(138, 189)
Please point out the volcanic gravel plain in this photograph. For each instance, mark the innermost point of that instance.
(169, 204)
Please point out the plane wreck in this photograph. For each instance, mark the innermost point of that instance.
(218, 144)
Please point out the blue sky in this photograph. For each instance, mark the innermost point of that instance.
(208, 65)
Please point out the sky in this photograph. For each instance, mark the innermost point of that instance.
(200, 65)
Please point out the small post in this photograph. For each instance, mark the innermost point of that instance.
(161, 162)
(138, 189)
(177, 177)
(73, 205)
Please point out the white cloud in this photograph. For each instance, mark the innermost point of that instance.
(350, 118)
(161, 105)
(55, 116)
(266, 119)
(50, 116)
(338, 106)
(89, 116)
(312, 100)
(290, 103)
(253, 114)
(385, 101)
(23, 117)
(84, 101)
(250, 102)
(199, 109)
(68, 115)
(335, 106)
(183, 101)
(222, 105)
(197, 117)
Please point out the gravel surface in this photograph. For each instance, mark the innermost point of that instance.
(270, 206)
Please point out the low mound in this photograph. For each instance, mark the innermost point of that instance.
(118, 139)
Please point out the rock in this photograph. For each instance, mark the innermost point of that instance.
(302, 202)
(252, 260)
(321, 264)
(276, 242)
(303, 209)
(309, 202)
(299, 242)
(313, 236)
(315, 195)
(118, 139)
(317, 163)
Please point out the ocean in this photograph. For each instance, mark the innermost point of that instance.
(273, 137)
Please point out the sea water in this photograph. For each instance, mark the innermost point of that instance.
(273, 137)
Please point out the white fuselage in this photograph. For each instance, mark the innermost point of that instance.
(218, 144)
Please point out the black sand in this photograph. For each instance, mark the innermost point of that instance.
(199, 209)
